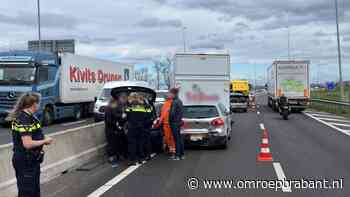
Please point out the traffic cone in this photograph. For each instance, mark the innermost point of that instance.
(265, 154)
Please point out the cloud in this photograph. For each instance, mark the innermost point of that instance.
(156, 23)
(208, 45)
(96, 40)
(298, 11)
(138, 30)
(48, 20)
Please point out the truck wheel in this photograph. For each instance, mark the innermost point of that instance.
(78, 113)
(48, 116)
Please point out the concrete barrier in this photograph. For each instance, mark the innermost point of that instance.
(70, 149)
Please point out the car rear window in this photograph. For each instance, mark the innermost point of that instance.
(200, 112)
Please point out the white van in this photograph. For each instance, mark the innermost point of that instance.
(105, 95)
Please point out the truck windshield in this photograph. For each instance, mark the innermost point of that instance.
(17, 74)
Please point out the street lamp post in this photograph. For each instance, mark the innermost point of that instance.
(339, 53)
(184, 37)
(39, 25)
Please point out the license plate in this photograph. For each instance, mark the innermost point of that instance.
(196, 138)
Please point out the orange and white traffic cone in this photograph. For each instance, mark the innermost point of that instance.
(265, 154)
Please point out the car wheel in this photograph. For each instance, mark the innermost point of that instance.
(96, 119)
(229, 133)
(225, 144)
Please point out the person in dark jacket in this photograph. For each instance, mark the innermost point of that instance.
(110, 131)
(138, 119)
(115, 120)
(283, 100)
(120, 116)
(175, 120)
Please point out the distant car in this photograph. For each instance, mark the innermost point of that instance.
(161, 96)
(238, 102)
(207, 125)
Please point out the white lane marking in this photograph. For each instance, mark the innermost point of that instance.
(328, 124)
(75, 122)
(337, 120)
(280, 175)
(338, 124)
(262, 127)
(114, 181)
(318, 112)
(104, 188)
(327, 116)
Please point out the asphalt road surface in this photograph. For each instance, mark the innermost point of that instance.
(6, 137)
(302, 149)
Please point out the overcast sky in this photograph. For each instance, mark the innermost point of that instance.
(253, 31)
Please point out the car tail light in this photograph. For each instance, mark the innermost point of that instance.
(217, 122)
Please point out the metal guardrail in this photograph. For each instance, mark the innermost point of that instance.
(331, 102)
(337, 107)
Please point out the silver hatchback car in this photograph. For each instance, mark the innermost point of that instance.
(207, 125)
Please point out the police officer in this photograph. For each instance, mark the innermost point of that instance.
(28, 142)
(137, 117)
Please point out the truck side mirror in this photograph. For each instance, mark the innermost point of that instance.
(95, 98)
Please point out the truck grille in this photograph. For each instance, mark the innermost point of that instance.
(8, 99)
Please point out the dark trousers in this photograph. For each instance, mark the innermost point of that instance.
(111, 138)
(135, 144)
(147, 146)
(27, 172)
(179, 142)
(116, 143)
(122, 144)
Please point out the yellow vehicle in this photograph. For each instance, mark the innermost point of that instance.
(239, 95)
(240, 86)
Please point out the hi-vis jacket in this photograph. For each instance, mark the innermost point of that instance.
(25, 124)
(139, 116)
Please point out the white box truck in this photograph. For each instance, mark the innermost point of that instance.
(289, 78)
(68, 83)
(203, 78)
(204, 82)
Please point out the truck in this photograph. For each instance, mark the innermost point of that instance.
(239, 96)
(291, 79)
(68, 83)
(204, 87)
(203, 78)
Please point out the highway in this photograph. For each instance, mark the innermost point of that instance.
(302, 148)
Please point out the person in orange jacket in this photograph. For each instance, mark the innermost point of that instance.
(164, 121)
